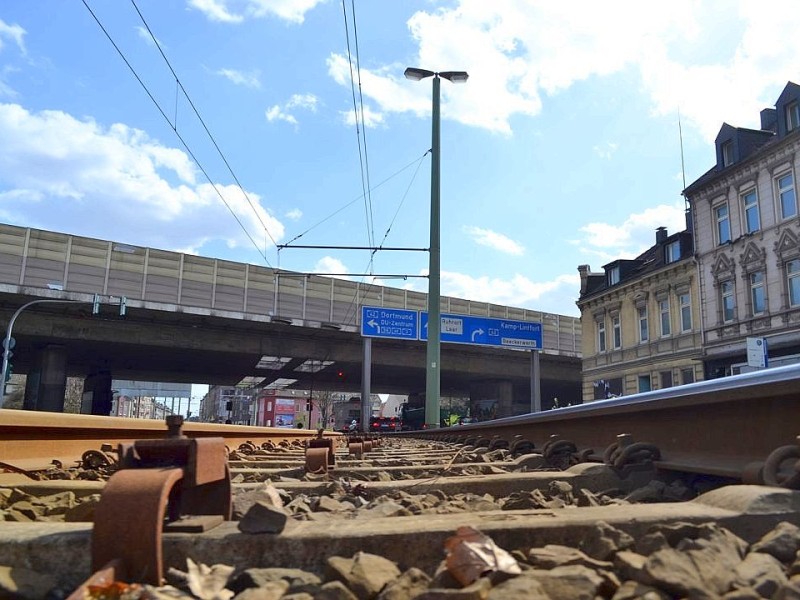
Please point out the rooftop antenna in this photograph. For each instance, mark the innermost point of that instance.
(683, 166)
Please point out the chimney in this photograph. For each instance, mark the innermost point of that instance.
(584, 272)
(661, 235)
(769, 120)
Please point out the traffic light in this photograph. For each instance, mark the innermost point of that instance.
(340, 375)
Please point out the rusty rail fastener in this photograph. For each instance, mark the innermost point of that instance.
(175, 484)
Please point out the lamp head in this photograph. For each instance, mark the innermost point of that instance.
(415, 74)
(455, 76)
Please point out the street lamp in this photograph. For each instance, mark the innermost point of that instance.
(432, 368)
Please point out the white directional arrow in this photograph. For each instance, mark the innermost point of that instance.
(374, 323)
(476, 332)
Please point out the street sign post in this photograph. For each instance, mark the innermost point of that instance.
(486, 331)
(757, 355)
(395, 323)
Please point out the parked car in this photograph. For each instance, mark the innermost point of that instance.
(385, 424)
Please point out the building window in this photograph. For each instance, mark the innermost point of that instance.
(793, 281)
(727, 301)
(723, 224)
(792, 116)
(613, 276)
(663, 307)
(644, 383)
(687, 376)
(601, 336)
(752, 222)
(644, 333)
(666, 379)
(673, 252)
(727, 153)
(757, 294)
(787, 196)
(617, 331)
(686, 312)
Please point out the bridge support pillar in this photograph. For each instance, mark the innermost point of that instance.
(97, 394)
(47, 380)
(491, 399)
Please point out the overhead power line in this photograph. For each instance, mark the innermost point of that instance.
(363, 159)
(175, 130)
(200, 118)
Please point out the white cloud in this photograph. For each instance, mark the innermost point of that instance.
(492, 239)
(329, 265)
(275, 113)
(714, 60)
(118, 180)
(216, 10)
(307, 101)
(281, 113)
(370, 117)
(148, 39)
(635, 235)
(249, 79)
(295, 214)
(15, 33)
(606, 151)
(556, 296)
(293, 11)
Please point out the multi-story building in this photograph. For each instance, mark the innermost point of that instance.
(747, 240)
(640, 321)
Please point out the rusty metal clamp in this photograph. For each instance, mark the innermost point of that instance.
(356, 447)
(177, 484)
(782, 467)
(319, 455)
(625, 452)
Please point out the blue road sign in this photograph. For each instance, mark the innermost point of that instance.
(397, 323)
(485, 331)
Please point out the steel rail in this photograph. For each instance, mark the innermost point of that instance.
(719, 427)
(32, 440)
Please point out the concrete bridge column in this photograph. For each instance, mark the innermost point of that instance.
(97, 394)
(491, 399)
(47, 380)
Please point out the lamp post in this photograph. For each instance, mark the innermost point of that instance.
(432, 367)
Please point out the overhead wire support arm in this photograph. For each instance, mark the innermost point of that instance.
(372, 248)
(375, 275)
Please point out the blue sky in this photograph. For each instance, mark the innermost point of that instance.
(562, 148)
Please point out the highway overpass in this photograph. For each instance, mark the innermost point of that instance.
(202, 320)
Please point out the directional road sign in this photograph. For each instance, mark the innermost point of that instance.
(485, 331)
(397, 323)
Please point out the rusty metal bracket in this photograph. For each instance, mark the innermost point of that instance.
(782, 467)
(355, 447)
(159, 482)
(625, 453)
(324, 443)
(317, 460)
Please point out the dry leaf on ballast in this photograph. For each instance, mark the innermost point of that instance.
(471, 555)
(208, 583)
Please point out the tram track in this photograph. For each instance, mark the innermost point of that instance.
(524, 481)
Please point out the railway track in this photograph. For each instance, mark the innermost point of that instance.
(710, 457)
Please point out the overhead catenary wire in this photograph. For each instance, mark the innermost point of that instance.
(416, 161)
(372, 284)
(360, 130)
(202, 121)
(183, 142)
